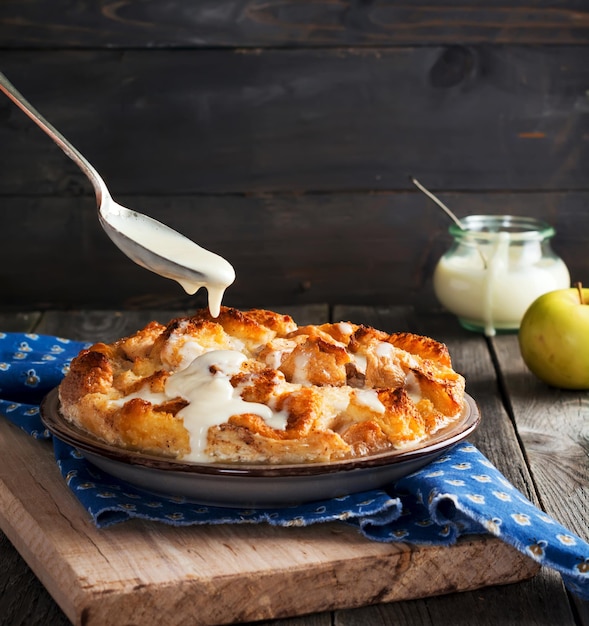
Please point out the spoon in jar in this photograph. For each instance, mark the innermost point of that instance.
(442, 206)
(144, 240)
(448, 212)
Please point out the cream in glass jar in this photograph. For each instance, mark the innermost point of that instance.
(496, 267)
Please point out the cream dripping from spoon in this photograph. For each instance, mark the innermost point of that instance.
(172, 255)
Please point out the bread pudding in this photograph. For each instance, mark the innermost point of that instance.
(253, 387)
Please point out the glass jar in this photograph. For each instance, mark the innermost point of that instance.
(496, 267)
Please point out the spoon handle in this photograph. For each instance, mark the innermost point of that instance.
(10, 90)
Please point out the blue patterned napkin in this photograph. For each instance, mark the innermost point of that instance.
(459, 493)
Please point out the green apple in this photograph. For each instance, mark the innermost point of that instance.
(554, 338)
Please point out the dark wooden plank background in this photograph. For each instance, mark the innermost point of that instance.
(229, 23)
(281, 135)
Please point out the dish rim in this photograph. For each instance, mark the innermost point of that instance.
(69, 433)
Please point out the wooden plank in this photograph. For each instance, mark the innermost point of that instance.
(23, 599)
(582, 610)
(107, 326)
(530, 603)
(249, 23)
(286, 249)
(552, 425)
(164, 122)
(18, 322)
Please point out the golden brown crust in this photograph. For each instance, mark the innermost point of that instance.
(334, 391)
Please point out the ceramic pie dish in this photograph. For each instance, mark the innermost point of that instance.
(247, 485)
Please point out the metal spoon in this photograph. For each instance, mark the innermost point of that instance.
(449, 213)
(146, 241)
(442, 206)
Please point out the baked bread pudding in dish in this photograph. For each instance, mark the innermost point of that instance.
(253, 387)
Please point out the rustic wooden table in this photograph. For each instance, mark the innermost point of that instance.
(537, 436)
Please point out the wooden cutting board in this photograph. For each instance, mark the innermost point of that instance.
(149, 573)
